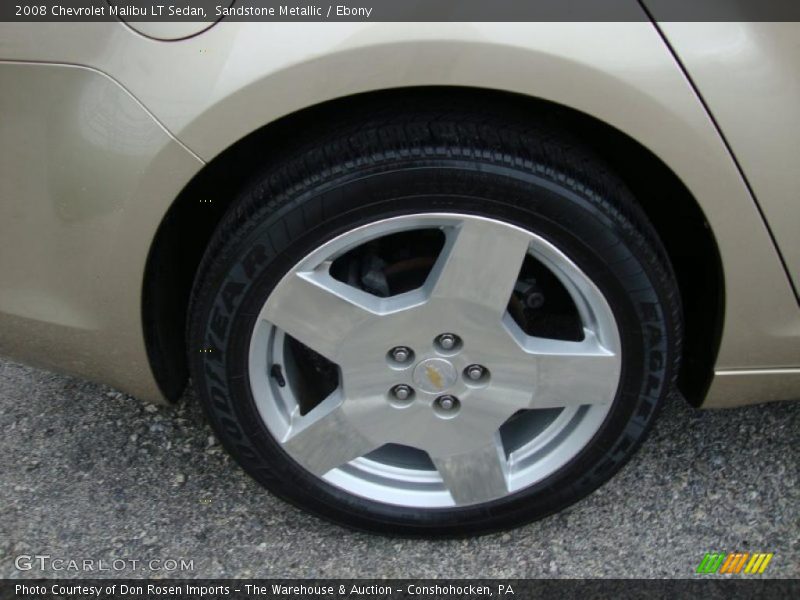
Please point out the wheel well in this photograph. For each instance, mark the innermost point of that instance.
(183, 235)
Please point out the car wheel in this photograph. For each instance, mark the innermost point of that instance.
(434, 321)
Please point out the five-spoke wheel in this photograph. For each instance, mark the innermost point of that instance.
(433, 319)
(405, 391)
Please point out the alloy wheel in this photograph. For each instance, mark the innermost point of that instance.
(437, 394)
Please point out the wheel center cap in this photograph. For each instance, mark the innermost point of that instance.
(435, 375)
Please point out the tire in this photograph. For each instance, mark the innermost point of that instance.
(494, 169)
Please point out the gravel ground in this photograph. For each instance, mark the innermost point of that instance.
(90, 473)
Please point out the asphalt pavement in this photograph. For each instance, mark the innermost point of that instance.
(90, 474)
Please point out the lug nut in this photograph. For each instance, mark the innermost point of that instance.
(475, 372)
(401, 354)
(447, 341)
(447, 402)
(402, 392)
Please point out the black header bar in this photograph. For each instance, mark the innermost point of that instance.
(397, 10)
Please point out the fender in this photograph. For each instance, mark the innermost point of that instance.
(211, 90)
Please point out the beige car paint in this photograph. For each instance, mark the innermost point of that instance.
(212, 89)
(85, 173)
(749, 75)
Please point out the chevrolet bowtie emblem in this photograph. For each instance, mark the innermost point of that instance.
(434, 376)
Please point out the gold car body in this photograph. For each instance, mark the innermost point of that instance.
(102, 128)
